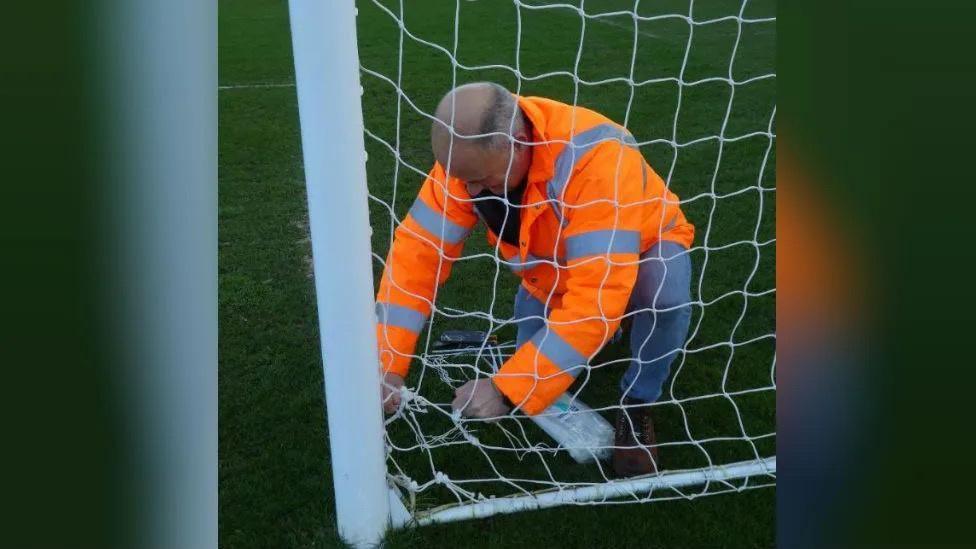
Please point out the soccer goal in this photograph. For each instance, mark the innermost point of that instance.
(694, 85)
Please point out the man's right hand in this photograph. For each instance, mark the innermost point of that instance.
(390, 393)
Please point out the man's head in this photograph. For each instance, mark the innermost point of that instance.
(482, 162)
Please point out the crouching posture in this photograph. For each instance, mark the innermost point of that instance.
(582, 219)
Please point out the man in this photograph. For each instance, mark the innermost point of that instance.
(585, 222)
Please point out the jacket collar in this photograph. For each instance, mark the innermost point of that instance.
(541, 168)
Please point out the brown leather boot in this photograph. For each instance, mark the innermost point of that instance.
(635, 451)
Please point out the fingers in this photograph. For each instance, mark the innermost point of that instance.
(459, 402)
(476, 407)
(391, 401)
(390, 392)
(466, 389)
(393, 380)
(478, 399)
(468, 409)
(462, 396)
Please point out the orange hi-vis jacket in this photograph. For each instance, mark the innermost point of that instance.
(591, 206)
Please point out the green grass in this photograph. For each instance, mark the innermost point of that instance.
(275, 486)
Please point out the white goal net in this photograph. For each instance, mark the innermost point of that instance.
(694, 84)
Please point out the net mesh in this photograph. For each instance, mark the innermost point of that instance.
(695, 85)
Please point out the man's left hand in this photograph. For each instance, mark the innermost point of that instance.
(480, 398)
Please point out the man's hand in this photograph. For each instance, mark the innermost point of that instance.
(480, 398)
(390, 393)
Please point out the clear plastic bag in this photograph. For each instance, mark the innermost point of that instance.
(577, 428)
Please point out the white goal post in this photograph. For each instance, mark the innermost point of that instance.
(327, 81)
(375, 460)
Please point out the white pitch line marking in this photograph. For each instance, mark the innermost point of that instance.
(257, 85)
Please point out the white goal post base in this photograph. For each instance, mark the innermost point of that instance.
(597, 492)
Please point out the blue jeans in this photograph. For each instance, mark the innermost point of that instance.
(661, 298)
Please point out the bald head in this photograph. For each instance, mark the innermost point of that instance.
(476, 110)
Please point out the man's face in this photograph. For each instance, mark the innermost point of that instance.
(485, 168)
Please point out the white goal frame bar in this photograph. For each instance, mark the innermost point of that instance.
(615, 489)
(327, 75)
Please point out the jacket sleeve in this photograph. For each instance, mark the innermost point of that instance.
(424, 248)
(602, 244)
